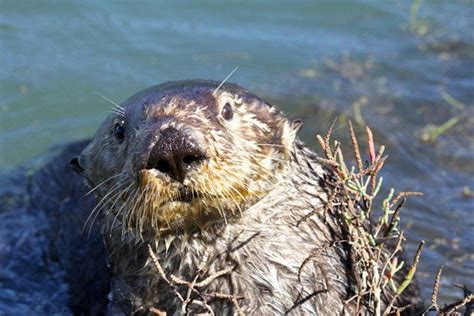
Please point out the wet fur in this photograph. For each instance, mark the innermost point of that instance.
(264, 247)
(258, 182)
(50, 264)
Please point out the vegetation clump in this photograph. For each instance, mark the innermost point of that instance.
(372, 232)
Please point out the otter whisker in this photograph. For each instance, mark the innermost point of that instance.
(135, 199)
(140, 214)
(237, 204)
(140, 207)
(130, 215)
(250, 155)
(220, 209)
(226, 193)
(115, 112)
(127, 217)
(257, 167)
(226, 78)
(211, 193)
(103, 182)
(119, 112)
(244, 183)
(220, 205)
(230, 186)
(271, 145)
(119, 108)
(101, 203)
(116, 198)
(246, 153)
(126, 190)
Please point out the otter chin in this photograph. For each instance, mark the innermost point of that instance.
(210, 178)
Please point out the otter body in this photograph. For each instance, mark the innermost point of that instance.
(199, 190)
(263, 249)
(49, 263)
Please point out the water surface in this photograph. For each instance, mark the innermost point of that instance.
(402, 67)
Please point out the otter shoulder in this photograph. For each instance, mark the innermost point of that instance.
(44, 248)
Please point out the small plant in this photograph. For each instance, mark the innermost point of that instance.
(375, 244)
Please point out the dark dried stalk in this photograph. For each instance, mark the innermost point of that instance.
(411, 272)
(395, 217)
(451, 308)
(312, 255)
(305, 299)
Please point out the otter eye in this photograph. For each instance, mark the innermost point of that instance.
(119, 131)
(227, 112)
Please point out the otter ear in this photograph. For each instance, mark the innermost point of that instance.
(76, 166)
(296, 124)
(290, 129)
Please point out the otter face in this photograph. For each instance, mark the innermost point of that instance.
(183, 154)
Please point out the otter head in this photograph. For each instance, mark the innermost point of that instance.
(186, 154)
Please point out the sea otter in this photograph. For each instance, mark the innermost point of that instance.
(199, 191)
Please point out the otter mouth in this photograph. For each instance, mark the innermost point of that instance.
(185, 194)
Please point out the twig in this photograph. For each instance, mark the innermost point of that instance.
(305, 299)
(162, 273)
(157, 312)
(457, 305)
(232, 298)
(312, 255)
(204, 282)
(173, 280)
(214, 276)
(328, 206)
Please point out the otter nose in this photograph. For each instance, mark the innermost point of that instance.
(175, 154)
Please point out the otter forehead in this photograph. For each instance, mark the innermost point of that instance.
(192, 94)
(189, 89)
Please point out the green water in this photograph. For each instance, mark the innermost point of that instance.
(395, 65)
